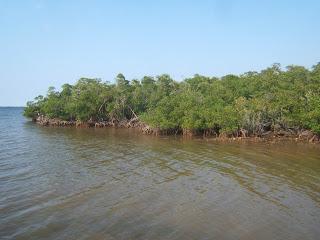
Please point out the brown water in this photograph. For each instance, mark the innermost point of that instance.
(66, 183)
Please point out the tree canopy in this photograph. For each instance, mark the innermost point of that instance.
(254, 101)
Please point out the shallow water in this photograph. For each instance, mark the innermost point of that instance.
(68, 183)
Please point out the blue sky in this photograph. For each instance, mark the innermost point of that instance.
(48, 43)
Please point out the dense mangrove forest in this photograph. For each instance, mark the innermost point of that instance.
(272, 101)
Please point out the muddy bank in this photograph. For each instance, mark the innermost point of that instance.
(240, 135)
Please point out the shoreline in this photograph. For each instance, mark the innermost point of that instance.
(135, 123)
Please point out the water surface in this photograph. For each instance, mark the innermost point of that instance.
(68, 183)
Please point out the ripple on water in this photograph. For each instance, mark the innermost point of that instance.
(66, 183)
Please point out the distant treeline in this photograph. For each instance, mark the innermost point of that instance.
(251, 103)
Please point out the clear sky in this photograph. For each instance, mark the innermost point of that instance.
(48, 43)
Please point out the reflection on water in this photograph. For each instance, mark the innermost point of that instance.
(66, 183)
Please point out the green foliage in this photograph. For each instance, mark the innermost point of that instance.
(312, 117)
(34, 108)
(253, 101)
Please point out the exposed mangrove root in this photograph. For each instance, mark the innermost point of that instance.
(298, 135)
